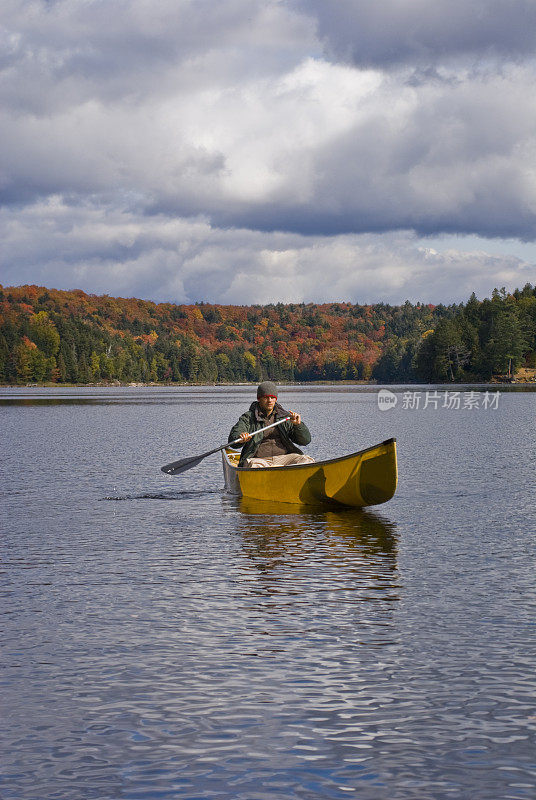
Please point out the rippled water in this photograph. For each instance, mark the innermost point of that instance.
(162, 640)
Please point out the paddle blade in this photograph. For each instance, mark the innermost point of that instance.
(176, 467)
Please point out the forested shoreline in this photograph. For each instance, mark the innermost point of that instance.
(56, 336)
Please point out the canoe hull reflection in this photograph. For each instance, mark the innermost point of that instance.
(366, 478)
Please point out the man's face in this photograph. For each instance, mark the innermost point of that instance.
(267, 403)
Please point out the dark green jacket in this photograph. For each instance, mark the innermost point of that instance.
(290, 434)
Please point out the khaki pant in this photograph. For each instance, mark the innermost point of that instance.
(279, 461)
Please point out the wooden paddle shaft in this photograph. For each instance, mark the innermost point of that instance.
(187, 463)
(279, 421)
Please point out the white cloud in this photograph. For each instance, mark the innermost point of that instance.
(151, 149)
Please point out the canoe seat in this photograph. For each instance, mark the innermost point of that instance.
(233, 456)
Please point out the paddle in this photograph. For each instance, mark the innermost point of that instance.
(176, 467)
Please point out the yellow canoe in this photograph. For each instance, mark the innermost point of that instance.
(365, 478)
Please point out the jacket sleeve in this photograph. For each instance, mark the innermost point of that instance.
(242, 426)
(299, 433)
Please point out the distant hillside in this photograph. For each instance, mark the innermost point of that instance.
(48, 335)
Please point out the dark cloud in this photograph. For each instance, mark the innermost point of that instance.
(60, 54)
(106, 250)
(393, 32)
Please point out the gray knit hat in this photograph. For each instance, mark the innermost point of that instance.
(267, 387)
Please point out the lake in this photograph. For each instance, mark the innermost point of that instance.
(163, 640)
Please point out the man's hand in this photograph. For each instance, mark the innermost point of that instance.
(294, 418)
(245, 437)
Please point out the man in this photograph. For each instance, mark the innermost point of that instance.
(276, 447)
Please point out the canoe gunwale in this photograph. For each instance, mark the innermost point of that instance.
(311, 463)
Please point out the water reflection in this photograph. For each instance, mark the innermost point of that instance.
(364, 530)
(83, 401)
(344, 555)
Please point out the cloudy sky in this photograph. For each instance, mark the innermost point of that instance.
(253, 151)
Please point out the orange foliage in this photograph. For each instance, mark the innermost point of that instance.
(304, 340)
